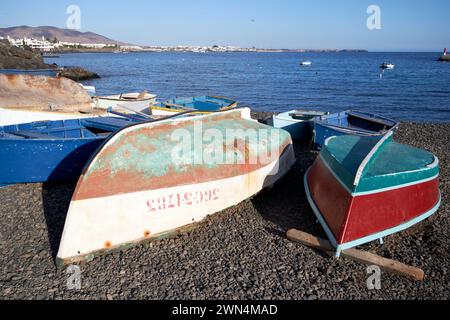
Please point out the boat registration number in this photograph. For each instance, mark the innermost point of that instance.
(177, 200)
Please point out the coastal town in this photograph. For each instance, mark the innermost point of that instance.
(54, 45)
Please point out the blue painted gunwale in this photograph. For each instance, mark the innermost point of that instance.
(361, 123)
(299, 127)
(200, 103)
(370, 238)
(52, 150)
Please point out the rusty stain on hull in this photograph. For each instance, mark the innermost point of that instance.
(146, 151)
(132, 191)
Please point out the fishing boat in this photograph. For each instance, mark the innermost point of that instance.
(201, 104)
(299, 123)
(134, 101)
(350, 123)
(35, 72)
(143, 185)
(365, 188)
(27, 98)
(305, 63)
(387, 65)
(52, 150)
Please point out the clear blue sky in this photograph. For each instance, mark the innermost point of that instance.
(414, 25)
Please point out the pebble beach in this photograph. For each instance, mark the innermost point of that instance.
(240, 253)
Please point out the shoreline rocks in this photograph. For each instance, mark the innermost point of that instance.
(78, 74)
(444, 58)
(27, 59)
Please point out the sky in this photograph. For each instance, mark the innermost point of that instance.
(406, 25)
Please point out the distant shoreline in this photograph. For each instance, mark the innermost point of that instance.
(146, 50)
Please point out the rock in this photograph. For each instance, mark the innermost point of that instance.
(17, 58)
(78, 74)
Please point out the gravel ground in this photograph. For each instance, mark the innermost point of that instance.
(241, 253)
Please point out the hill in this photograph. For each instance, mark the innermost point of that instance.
(64, 35)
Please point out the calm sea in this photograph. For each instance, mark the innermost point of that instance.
(418, 89)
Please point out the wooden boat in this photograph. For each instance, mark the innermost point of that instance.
(35, 72)
(26, 98)
(299, 123)
(366, 188)
(134, 190)
(352, 123)
(201, 104)
(387, 65)
(135, 101)
(52, 150)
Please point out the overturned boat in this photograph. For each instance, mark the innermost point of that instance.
(52, 150)
(365, 188)
(155, 179)
(201, 105)
(351, 122)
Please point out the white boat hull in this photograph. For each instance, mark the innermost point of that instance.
(11, 116)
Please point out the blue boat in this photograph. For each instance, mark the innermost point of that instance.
(52, 150)
(299, 123)
(201, 104)
(37, 72)
(351, 123)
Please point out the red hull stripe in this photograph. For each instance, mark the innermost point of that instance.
(351, 218)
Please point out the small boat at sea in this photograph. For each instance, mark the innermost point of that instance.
(299, 123)
(387, 65)
(351, 123)
(365, 188)
(125, 102)
(200, 104)
(143, 185)
(52, 150)
(35, 72)
(305, 63)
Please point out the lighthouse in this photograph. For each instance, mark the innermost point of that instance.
(445, 51)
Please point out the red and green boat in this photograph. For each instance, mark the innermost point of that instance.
(366, 188)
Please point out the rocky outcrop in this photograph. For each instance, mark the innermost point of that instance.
(16, 58)
(42, 93)
(78, 74)
(445, 58)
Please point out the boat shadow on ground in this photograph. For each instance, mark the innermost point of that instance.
(56, 197)
(285, 204)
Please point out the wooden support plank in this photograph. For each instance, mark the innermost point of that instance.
(365, 257)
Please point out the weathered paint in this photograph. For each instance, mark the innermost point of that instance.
(51, 150)
(298, 123)
(351, 123)
(131, 190)
(349, 214)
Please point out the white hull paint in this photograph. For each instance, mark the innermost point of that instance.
(131, 102)
(12, 116)
(101, 224)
